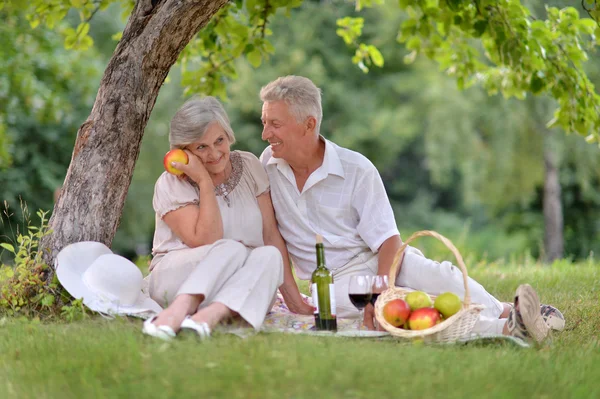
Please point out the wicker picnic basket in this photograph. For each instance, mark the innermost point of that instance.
(449, 330)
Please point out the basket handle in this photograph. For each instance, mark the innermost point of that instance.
(396, 262)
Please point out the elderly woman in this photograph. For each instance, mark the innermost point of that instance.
(217, 250)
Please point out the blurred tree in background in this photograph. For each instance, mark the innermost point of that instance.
(458, 161)
(45, 94)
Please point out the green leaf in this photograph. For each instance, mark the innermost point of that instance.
(414, 43)
(83, 28)
(480, 27)
(255, 58)
(47, 300)
(587, 25)
(537, 84)
(375, 55)
(268, 47)
(34, 22)
(8, 247)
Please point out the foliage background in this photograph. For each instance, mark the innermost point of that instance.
(460, 162)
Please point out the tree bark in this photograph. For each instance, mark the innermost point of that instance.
(553, 213)
(108, 143)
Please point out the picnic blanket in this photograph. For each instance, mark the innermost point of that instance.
(281, 320)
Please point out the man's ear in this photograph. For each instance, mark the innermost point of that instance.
(310, 124)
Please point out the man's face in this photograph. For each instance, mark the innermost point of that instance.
(281, 129)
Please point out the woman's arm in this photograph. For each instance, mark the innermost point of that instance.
(271, 236)
(197, 225)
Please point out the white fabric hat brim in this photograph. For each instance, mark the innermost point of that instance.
(72, 262)
(143, 305)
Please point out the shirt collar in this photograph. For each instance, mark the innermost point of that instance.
(331, 160)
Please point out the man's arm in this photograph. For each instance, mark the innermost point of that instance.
(271, 236)
(387, 252)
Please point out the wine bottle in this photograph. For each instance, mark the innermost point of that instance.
(323, 292)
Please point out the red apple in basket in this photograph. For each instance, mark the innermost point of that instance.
(175, 155)
(396, 312)
(423, 318)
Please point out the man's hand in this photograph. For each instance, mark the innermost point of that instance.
(369, 316)
(369, 320)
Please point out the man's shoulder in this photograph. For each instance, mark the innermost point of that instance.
(349, 157)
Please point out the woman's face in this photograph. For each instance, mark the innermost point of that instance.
(212, 149)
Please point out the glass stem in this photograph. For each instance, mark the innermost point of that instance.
(360, 320)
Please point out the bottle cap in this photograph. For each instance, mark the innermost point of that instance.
(319, 239)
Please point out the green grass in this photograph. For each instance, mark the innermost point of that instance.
(101, 358)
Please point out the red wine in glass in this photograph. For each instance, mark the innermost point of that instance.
(359, 292)
(360, 300)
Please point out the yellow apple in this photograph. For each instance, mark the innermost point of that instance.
(175, 155)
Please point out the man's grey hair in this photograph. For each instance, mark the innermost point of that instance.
(193, 119)
(301, 95)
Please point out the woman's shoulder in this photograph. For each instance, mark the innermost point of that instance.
(251, 163)
(253, 171)
(247, 156)
(166, 179)
(169, 182)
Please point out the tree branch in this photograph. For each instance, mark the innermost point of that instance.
(589, 10)
(265, 16)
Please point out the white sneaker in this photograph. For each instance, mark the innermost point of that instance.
(553, 317)
(525, 320)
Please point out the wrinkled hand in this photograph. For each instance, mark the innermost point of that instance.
(369, 320)
(298, 305)
(369, 314)
(194, 169)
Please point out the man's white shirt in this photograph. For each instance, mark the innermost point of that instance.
(344, 200)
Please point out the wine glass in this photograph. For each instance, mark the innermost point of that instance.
(380, 284)
(359, 291)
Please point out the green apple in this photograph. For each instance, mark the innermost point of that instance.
(418, 299)
(447, 304)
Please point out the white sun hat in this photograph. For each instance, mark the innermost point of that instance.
(108, 283)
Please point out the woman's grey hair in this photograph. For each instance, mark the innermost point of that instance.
(193, 119)
(301, 95)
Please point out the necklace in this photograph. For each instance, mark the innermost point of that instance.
(225, 188)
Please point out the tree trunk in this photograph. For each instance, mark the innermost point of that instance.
(553, 213)
(108, 143)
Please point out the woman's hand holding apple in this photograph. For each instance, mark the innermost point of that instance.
(194, 169)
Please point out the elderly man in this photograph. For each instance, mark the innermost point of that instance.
(318, 187)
